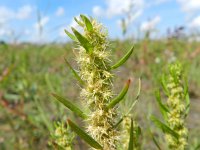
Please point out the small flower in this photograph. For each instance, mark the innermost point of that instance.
(62, 136)
(176, 105)
(98, 89)
(125, 135)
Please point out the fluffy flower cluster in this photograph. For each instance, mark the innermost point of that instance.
(125, 135)
(62, 137)
(175, 117)
(97, 93)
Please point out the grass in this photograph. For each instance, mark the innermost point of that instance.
(28, 110)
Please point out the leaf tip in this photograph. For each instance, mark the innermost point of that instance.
(128, 82)
(73, 29)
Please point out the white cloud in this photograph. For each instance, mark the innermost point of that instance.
(130, 19)
(24, 12)
(61, 32)
(60, 11)
(118, 7)
(39, 35)
(189, 6)
(195, 23)
(97, 10)
(41, 23)
(7, 14)
(151, 24)
(5, 32)
(192, 9)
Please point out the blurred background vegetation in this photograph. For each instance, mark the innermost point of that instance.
(32, 67)
(30, 73)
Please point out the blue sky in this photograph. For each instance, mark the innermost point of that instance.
(19, 19)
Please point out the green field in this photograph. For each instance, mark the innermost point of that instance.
(30, 73)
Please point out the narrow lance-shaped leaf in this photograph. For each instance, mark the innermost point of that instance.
(137, 97)
(70, 106)
(120, 96)
(162, 107)
(123, 59)
(164, 127)
(122, 118)
(87, 138)
(155, 141)
(164, 85)
(130, 146)
(132, 105)
(138, 132)
(153, 137)
(71, 35)
(83, 41)
(187, 97)
(118, 123)
(87, 22)
(79, 22)
(74, 73)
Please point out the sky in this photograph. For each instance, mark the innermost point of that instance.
(45, 20)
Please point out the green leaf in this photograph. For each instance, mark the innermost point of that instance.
(137, 97)
(130, 146)
(164, 85)
(187, 97)
(120, 96)
(79, 22)
(87, 22)
(123, 59)
(164, 127)
(70, 106)
(118, 123)
(155, 141)
(132, 105)
(122, 118)
(71, 35)
(83, 41)
(87, 138)
(138, 132)
(162, 107)
(74, 73)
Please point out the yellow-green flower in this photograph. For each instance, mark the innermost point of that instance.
(176, 105)
(98, 90)
(62, 137)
